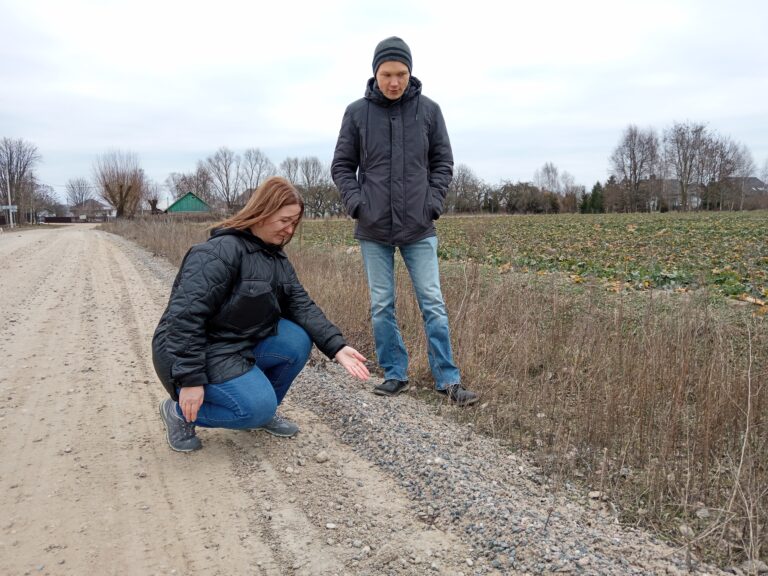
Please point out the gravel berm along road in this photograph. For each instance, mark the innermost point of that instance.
(370, 486)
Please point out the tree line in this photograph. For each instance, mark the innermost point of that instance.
(688, 167)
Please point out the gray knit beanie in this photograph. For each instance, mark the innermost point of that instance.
(392, 48)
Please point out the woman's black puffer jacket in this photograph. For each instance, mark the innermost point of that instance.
(230, 293)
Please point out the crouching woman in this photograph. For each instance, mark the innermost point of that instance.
(239, 325)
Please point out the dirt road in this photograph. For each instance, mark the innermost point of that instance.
(88, 484)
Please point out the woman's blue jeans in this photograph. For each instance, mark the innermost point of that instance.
(421, 261)
(251, 400)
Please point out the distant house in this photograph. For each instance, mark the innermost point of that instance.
(665, 194)
(188, 203)
(92, 210)
(750, 185)
(742, 193)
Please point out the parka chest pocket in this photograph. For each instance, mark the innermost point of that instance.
(250, 307)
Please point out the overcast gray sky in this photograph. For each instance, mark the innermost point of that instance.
(520, 83)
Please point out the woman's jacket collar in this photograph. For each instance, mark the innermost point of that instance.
(251, 242)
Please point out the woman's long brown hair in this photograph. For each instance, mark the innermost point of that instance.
(273, 194)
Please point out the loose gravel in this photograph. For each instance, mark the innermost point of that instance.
(494, 498)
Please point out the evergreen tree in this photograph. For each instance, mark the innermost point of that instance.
(585, 206)
(596, 199)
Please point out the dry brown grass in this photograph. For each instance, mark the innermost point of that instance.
(659, 401)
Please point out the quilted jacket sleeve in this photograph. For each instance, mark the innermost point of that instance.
(202, 286)
(303, 311)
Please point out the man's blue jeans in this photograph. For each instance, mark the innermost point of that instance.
(251, 400)
(421, 261)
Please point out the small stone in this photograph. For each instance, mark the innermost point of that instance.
(755, 567)
(686, 531)
(595, 494)
(331, 526)
(702, 513)
(321, 457)
(469, 562)
(357, 544)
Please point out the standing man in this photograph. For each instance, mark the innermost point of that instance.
(393, 164)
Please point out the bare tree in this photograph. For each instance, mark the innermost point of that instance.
(289, 168)
(120, 181)
(152, 196)
(547, 178)
(255, 168)
(78, 191)
(572, 193)
(683, 143)
(465, 192)
(716, 163)
(525, 198)
(314, 183)
(633, 162)
(36, 197)
(45, 198)
(744, 168)
(198, 182)
(224, 170)
(17, 180)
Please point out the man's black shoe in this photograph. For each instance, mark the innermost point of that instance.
(391, 387)
(460, 395)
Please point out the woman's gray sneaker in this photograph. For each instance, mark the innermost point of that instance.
(281, 427)
(460, 395)
(180, 433)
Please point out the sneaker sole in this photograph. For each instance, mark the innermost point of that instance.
(467, 403)
(456, 402)
(277, 434)
(379, 392)
(168, 432)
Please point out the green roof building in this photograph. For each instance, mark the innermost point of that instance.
(188, 203)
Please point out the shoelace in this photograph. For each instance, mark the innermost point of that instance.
(188, 428)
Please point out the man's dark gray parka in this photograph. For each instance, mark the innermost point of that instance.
(393, 164)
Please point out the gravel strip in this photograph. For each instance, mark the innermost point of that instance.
(468, 483)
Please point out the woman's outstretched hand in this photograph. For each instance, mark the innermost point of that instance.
(353, 362)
